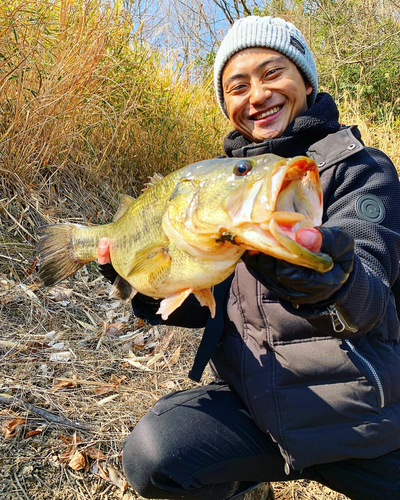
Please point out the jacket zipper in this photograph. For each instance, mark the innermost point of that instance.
(372, 370)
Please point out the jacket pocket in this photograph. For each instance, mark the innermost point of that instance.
(370, 372)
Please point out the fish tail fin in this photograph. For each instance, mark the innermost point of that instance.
(57, 258)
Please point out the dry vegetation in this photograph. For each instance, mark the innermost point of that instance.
(84, 116)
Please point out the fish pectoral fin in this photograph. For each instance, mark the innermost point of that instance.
(122, 290)
(125, 201)
(150, 258)
(206, 298)
(172, 302)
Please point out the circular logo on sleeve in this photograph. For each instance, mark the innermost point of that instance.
(370, 208)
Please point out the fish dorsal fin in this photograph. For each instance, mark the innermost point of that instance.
(121, 289)
(150, 258)
(153, 180)
(125, 201)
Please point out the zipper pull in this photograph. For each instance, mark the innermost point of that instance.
(338, 322)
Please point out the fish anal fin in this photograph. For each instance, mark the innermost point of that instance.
(125, 201)
(121, 289)
(206, 298)
(150, 258)
(172, 302)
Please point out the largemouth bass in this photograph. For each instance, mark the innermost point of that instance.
(186, 232)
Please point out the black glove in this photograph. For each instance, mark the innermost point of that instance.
(108, 271)
(300, 285)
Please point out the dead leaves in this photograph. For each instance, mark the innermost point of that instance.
(16, 426)
(158, 357)
(81, 457)
(10, 426)
(97, 387)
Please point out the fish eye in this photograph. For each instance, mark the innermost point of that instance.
(242, 167)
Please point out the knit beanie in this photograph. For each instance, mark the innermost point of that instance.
(272, 33)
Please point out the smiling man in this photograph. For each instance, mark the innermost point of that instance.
(263, 92)
(307, 364)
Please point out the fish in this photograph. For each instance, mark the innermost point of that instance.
(186, 232)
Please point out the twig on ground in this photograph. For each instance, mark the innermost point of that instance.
(24, 494)
(50, 417)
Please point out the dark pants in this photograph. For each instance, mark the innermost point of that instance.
(195, 444)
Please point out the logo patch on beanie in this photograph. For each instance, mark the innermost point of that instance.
(297, 44)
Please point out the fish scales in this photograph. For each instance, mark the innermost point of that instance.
(186, 232)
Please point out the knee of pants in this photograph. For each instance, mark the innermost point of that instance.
(145, 460)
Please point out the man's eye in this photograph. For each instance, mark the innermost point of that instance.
(271, 72)
(238, 88)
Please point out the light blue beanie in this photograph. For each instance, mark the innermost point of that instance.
(269, 32)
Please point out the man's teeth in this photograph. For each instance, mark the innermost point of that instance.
(267, 113)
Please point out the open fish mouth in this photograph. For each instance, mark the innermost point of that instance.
(267, 212)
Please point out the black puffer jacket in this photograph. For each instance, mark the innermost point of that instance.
(324, 383)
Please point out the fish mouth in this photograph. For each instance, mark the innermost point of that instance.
(268, 211)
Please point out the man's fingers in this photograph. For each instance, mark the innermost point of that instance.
(310, 238)
(103, 251)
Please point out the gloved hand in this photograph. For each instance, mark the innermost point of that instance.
(300, 285)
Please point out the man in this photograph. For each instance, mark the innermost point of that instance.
(308, 366)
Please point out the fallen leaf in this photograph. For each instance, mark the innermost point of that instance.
(59, 293)
(62, 384)
(117, 479)
(70, 439)
(175, 357)
(78, 460)
(137, 365)
(98, 470)
(60, 356)
(86, 326)
(165, 341)
(95, 454)
(29, 434)
(9, 427)
(169, 384)
(140, 323)
(114, 329)
(139, 341)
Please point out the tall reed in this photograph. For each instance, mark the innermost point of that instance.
(77, 90)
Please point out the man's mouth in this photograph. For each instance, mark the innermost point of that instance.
(264, 114)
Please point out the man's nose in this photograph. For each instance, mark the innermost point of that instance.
(259, 93)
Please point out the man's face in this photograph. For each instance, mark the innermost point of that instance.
(263, 91)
